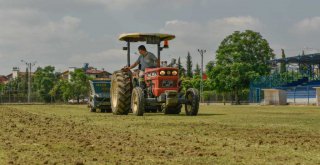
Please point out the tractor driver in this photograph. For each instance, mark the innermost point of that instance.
(146, 59)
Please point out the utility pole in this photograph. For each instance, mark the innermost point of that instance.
(29, 66)
(201, 51)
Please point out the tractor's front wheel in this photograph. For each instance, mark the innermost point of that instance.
(137, 101)
(121, 92)
(192, 102)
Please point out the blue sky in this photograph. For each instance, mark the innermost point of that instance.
(66, 33)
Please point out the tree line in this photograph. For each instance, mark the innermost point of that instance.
(48, 86)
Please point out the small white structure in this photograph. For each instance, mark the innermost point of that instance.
(317, 95)
(15, 72)
(71, 70)
(275, 97)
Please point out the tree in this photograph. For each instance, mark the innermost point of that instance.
(77, 87)
(79, 84)
(44, 81)
(197, 70)
(63, 89)
(189, 66)
(283, 68)
(241, 57)
(180, 67)
(209, 66)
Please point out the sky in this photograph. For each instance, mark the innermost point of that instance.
(69, 33)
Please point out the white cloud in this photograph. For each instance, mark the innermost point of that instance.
(308, 25)
(110, 59)
(27, 33)
(238, 22)
(211, 29)
(116, 4)
(208, 35)
(19, 30)
(142, 4)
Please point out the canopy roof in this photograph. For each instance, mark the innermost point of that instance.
(135, 37)
(302, 59)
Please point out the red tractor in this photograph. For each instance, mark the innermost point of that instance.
(159, 90)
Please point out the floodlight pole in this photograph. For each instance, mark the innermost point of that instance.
(201, 51)
(29, 66)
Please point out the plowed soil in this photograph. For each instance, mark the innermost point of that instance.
(68, 134)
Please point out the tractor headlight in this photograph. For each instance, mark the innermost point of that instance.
(168, 72)
(174, 73)
(162, 73)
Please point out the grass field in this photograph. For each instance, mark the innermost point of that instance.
(66, 134)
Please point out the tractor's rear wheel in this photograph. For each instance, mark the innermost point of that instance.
(192, 99)
(121, 92)
(137, 101)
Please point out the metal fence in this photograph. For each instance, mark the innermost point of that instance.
(214, 97)
(21, 98)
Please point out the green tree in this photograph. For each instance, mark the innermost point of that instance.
(1, 87)
(44, 80)
(63, 90)
(197, 70)
(283, 68)
(209, 66)
(241, 57)
(180, 67)
(189, 66)
(186, 83)
(79, 84)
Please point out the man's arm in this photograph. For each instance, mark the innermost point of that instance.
(133, 65)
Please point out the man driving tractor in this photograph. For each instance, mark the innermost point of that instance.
(146, 60)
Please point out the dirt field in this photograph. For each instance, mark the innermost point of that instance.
(62, 134)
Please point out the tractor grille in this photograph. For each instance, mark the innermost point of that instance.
(168, 84)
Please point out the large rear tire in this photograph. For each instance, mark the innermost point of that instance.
(192, 99)
(121, 92)
(137, 101)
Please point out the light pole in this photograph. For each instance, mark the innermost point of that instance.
(29, 66)
(201, 51)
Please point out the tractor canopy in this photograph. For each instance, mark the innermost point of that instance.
(150, 38)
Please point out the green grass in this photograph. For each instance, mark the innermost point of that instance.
(218, 135)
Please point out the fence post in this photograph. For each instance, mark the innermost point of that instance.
(294, 95)
(308, 93)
